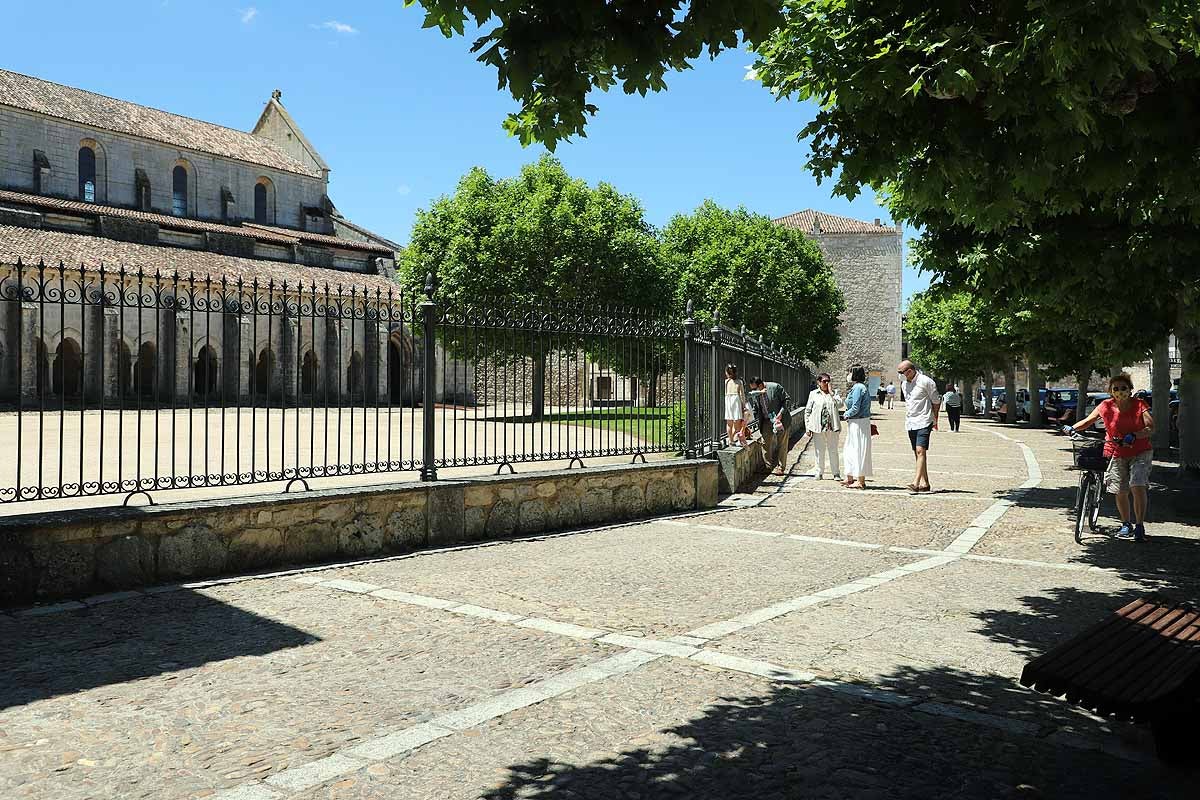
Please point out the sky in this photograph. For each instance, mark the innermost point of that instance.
(401, 113)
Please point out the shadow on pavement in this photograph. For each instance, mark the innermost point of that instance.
(813, 742)
(68, 652)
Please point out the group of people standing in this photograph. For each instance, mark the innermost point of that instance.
(826, 411)
(765, 402)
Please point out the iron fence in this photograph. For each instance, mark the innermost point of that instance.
(129, 382)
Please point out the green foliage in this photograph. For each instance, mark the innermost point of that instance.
(542, 236)
(770, 278)
(954, 333)
(676, 429)
(550, 54)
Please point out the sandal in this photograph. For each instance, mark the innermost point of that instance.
(913, 488)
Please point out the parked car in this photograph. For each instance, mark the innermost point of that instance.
(1000, 406)
(1059, 406)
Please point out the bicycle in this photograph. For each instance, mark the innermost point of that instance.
(1087, 451)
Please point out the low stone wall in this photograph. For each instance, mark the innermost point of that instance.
(76, 553)
(738, 466)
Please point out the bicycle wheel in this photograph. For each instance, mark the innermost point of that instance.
(1097, 499)
(1083, 504)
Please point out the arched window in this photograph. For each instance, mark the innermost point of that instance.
(264, 201)
(179, 191)
(260, 203)
(87, 174)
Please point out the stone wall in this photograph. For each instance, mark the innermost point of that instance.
(77, 553)
(868, 269)
(118, 155)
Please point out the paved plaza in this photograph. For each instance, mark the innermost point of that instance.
(802, 641)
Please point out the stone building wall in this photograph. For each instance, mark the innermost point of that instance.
(118, 155)
(868, 269)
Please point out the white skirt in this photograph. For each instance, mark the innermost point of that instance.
(856, 457)
(733, 407)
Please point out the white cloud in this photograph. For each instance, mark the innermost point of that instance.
(403, 189)
(335, 26)
(248, 14)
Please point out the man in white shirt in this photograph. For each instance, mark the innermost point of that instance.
(922, 404)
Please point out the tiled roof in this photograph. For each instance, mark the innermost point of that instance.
(259, 233)
(31, 245)
(107, 113)
(832, 223)
(317, 238)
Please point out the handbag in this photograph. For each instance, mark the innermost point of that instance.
(874, 430)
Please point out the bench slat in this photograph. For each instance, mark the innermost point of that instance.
(1043, 672)
(1183, 664)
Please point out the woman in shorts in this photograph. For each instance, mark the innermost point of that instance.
(1128, 427)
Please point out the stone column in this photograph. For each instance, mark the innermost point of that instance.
(375, 355)
(179, 329)
(30, 337)
(9, 357)
(288, 349)
(96, 356)
(111, 344)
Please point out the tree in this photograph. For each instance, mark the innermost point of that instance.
(540, 238)
(753, 272)
(550, 54)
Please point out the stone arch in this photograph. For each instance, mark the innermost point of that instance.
(66, 378)
(400, 361)
(145, 370)
(204, 372)
(264, 201)
(100, 170)
(183, 184)
(354, 375)
(309, 371)
(264, 372)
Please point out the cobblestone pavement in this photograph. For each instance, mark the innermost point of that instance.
(807, 641)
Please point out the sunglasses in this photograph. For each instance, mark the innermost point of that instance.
(1122, 389)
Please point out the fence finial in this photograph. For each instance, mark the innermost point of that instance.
(743, 330)
(429, 284)
(716, 318)
(689, 309)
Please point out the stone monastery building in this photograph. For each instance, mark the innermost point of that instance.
(88, 180)
(868, 267)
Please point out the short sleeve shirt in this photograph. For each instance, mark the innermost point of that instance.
(920, 395)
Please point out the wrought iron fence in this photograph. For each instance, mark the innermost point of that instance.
(132, 382)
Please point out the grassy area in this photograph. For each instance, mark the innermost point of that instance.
(649, 424)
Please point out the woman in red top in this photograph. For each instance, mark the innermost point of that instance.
(1126, 419)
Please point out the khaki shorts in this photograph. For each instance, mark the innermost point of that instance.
(1125, 472)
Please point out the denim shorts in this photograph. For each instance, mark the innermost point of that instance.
(920, 437)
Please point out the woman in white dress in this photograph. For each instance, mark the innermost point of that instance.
(856, 458)
(822, 422)
(735, 406)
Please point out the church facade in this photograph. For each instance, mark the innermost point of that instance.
(868, 266)
(106, 200)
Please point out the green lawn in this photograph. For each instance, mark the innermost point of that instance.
(649, 424)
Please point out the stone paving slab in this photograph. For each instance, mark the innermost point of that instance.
(961, 633)
(676, 729)
(178, 694)
(648, 579)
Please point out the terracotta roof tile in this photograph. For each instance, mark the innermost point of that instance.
(31, 245)
(256, 232)
(122, 116)
(832, 223)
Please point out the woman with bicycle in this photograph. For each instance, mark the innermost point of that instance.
(1127, 427)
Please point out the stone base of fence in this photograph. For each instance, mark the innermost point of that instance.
(69, 554)
(739, 466)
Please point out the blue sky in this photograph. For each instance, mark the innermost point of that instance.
(400, 113)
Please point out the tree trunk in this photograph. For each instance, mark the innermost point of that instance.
(1010, 394)
(968, 393)
(1160, 384)
(1035, 394)
(652, 390)
(538, 387)
(1187, 339)
(987, 396)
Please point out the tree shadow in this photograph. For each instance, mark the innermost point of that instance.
(67, 652)
(912, 739)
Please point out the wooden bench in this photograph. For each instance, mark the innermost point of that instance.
(1141, 664)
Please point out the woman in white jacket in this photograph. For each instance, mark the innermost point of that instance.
(822, 421)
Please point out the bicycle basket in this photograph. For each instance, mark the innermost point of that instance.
(1090, 456)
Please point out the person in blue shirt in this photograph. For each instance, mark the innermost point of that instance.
(856, 457)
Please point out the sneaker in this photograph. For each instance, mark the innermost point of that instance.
(1139, 532)
(1126, 531)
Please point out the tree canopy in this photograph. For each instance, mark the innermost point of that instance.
(540, 236)
(753, 272)
(550, 54)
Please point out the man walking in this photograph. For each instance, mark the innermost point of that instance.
(953, 402)
(770, 405)
(891, 394)
(922, 404)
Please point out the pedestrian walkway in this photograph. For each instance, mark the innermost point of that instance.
(807, 642)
